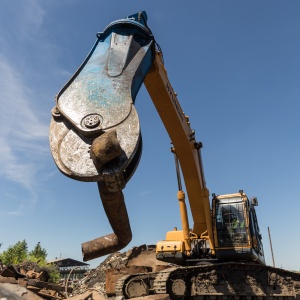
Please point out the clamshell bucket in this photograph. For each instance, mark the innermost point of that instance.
(95, 131)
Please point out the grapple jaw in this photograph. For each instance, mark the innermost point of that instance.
(98, 100)
(95, 130)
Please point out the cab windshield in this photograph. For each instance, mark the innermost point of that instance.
(230, 222)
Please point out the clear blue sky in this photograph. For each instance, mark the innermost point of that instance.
(235, 66)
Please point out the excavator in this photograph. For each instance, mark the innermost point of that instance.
(95, 136)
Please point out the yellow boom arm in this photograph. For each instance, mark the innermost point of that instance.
(183, 138)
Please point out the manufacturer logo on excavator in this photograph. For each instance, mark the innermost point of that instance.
(175, 101)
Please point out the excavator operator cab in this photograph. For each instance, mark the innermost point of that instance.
(230, 222)
(236, 231)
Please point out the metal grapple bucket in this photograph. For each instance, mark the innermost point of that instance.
(95, 130)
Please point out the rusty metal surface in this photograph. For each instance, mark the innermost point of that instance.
(50, 286)
(8, 280)
(115, 209)
(30, 283)
(113, 275)
(105, 148)
(146, 256)
(10, 271)
(90, 295)
(141, 260)
(155, 297)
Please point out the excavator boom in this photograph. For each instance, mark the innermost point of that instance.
(183, 138)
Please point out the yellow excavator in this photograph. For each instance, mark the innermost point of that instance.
(95, 136)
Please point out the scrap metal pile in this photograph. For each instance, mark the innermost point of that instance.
(124, 275)
(29, 281)
(103, 279)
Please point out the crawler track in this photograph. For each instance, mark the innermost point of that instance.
(218, 281)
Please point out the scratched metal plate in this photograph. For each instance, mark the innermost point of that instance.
(94, 91)
(71, 151)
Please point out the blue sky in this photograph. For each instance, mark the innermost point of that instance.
(235, 66)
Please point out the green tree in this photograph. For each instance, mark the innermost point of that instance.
(18, 255)
(38, 253)
(15, 254)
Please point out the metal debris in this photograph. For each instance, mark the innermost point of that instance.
(98, 283)
(29, 281)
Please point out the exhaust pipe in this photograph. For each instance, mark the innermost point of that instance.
(115, 209)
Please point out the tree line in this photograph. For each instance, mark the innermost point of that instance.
(19, 253)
